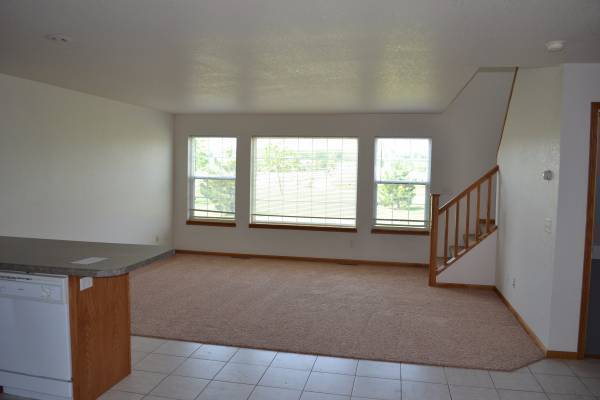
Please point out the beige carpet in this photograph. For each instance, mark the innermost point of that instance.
(367, 312)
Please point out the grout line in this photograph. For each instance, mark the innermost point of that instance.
(526, 371)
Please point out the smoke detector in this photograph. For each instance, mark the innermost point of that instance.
(555, 45)
(58, 38)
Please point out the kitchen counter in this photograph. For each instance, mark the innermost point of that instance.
(91, 259)
(98, 307)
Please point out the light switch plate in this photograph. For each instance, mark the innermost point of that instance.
(548, 225)
(86, 283)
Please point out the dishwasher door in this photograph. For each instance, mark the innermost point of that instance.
(34, 316)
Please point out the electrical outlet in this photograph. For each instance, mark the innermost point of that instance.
(156, 239)
(351, 243)
(514, 283)
(86, 283)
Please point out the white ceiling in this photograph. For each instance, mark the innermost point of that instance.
(287, 55)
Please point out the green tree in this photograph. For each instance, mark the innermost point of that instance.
(219, 193)
(397, 196)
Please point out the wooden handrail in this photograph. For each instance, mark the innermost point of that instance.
(453, 200)
(433, 234)
(435, 267)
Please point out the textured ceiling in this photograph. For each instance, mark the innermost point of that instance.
(287, 56)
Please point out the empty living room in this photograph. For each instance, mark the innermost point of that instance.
(299, 200)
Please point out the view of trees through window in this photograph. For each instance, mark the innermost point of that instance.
(311, 180)
(213, 161)
(402, 171)
(304, 180)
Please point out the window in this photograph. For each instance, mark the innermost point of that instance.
(212, 178)
(304, 181)
(402, 175)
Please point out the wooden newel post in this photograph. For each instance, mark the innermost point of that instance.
(433, 237)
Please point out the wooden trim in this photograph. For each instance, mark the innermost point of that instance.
(510, 95)
(477, 220)
(472, 186)
(209, 223)
(563, 355)
(343, 261)
(100, 327)
(522, 322)
(464, 286)
(303, 227)
(433, 238)
(589, 230)
(401, 231)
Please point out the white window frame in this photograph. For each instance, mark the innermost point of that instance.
(291, 225)
(427, 185)
(192, 178)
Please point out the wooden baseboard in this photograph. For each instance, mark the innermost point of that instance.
(464, 286)
(563, 355)
(521, 321)
(343, 261)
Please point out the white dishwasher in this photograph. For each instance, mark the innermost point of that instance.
(35, 345)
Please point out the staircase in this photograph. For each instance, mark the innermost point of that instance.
(460, 224)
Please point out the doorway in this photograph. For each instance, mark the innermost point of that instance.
(589, 323)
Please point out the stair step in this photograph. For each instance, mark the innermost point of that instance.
(454, 252)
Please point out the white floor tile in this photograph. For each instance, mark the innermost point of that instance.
(285, 378)
(226, 391)
(273, 393)
(424, 391)
(593, 384)
(335, 365)
(241, 373)
(161, 363)
(469, 377)
(323, 382)
(177, 348)
(119, 395)
(562, 384)
(145, 344)
(303, 362)
(137, 356)
(377, 369)
(473, 393)
(254, 357)
(585, 368)
(198, 368)
(215, 352)
(518, 395)
(515, 381)
(322, 396)
(180, 387)
(377, 388)
(551, 367)
(141, 382)
(423, 373)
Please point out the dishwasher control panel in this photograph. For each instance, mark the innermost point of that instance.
(33, 287)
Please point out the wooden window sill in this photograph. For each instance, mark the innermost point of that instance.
(210, 223)
(401, 231)
(304, 227)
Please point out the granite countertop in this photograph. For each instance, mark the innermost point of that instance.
(91, 258)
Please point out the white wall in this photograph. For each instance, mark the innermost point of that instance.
(477, 267)
(580, 87)
(75, 166)
(530, 145)
(465, 139)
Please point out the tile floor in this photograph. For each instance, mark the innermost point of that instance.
(174, 370)
(165, 369)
